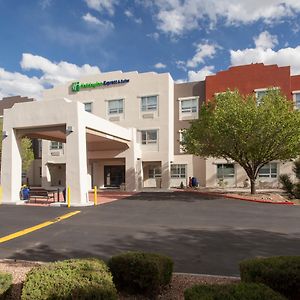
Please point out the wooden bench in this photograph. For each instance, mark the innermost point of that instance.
(41, 194)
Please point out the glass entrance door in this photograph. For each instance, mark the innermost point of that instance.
(114, 176)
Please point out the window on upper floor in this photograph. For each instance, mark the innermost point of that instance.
(268, 171)
(149, 136)
(148, 103)
(178, 170)
(260, 93)
(88, 106)
(296, 98)
(56, 145)
(115, 106)
(188, 108)
(225, 171)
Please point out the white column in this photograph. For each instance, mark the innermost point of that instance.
(132, 164)
(166, 173)
(76, 164)
(46, 176)
(11, 169)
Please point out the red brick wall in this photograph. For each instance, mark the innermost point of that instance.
(295, 83)
(247, 78)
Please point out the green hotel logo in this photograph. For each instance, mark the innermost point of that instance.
(77, 86)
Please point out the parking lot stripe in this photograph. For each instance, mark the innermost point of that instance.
(37, 227)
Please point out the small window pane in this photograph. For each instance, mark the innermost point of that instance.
(268, 171)
(154, 172)
(225, 171)
(115, 106)
(178, 171)
(149, 103)
(88, 107)
(297, 100)
(189, 105)
(149, 136)
(56, 145)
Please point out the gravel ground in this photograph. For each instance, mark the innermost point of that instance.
(174, 292)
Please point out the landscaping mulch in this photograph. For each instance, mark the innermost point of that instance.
(174, 292)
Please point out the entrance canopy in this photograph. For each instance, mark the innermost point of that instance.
(64, 121)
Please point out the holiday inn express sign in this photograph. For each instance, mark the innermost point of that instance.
(77, 86)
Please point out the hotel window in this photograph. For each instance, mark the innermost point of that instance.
(149, 137)
(115, 106)
(154, 172)
(268, 171)
(88, 106)
(56, 145)
(188, 108)
(225, 171)
(149, 103)
(178, 171)
(296, 96)
(260, 93)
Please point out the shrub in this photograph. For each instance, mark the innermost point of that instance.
(141, 273)
(287, 184)
(291, 188)
(281, 273)
(5, 284)
(240, 291)
(70, 279)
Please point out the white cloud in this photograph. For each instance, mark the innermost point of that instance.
(14, 83)
(95, 21)
(201, 74)
(265, 40)
(102, 5)
(176, 17)
(154, 35)
(160, 66)
(263, 53)
(91, 19)
(283, 57)
(202, 51)
(129, 14)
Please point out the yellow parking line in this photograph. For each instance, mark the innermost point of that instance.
(37, 227)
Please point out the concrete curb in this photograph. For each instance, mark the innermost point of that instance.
(209, 276)
(239, 198)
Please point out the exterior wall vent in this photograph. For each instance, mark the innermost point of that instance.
(148, 116)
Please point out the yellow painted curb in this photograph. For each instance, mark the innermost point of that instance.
(37, 227)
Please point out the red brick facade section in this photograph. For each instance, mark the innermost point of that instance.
(295, 83)
(247, 78)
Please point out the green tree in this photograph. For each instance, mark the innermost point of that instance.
(235, 127)
(26, 150)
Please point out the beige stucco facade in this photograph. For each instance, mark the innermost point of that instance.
(121, 134)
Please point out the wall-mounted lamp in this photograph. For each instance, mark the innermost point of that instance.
(69, 129)
(4, 134)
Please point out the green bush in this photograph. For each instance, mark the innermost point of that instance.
(240, 291)
(287, 184)
(141, 273)
(281, 273)
(5, 284)
(70, 279)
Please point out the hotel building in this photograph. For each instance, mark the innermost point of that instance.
(123, 130)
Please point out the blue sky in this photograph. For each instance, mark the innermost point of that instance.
(49, 42)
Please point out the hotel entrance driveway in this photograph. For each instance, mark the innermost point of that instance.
(208, 236)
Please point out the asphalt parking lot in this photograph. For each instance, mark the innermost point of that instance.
(203, 235)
